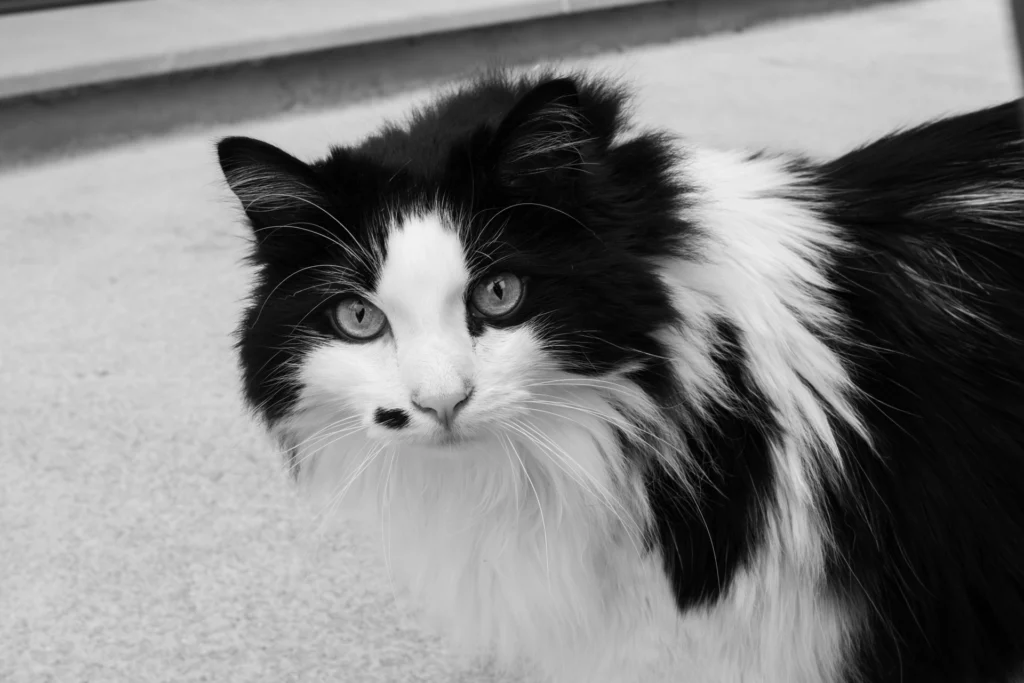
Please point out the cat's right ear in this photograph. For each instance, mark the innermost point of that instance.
(274, 188)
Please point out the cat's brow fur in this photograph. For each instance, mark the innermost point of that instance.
(756, 418)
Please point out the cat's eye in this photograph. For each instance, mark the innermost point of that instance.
(497, 296)
(357, 319)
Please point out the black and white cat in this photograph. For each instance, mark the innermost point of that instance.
(633, 411)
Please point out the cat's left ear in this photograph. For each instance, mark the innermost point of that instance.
(546, 133)
(274, 187)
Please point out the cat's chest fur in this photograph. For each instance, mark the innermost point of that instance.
(520, 569)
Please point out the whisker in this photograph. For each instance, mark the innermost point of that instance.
(332, 217)
(540, 510)
(558, 456)
(336, 499)
(385, 518)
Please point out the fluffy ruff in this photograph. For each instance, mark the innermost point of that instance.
(757, 418)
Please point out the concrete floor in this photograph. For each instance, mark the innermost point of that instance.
(44, 51)
(147, 530)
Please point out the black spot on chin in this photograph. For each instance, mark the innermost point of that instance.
(394, 418)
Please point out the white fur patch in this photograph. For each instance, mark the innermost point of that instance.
(421, 288)
(761, 270)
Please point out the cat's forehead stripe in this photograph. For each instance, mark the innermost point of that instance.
(425, 259)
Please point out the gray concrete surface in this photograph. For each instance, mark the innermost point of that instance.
(49, 50)
(81, 119)
(147, 530)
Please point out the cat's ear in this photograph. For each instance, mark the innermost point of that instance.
(273, 187)
(546, 133)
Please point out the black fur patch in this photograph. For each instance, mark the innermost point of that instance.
(929, 529)
(392, 418)
(705, 539)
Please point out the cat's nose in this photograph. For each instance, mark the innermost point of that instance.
(442, 406)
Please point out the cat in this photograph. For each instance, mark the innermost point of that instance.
(629, 410)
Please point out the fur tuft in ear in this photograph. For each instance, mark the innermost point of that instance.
(270, 183)
(546, 133)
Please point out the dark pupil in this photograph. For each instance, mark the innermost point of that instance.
(360, 313)
(499, 289)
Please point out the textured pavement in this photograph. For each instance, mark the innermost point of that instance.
(147, 530)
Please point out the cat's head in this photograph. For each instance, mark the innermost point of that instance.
(463, 274)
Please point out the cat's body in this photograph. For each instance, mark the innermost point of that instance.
(634, 412)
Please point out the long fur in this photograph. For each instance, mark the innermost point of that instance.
(757, 418)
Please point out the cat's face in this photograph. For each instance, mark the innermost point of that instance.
(468, 277)
(433, 353)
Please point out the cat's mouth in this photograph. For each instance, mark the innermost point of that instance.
(444, 445)
(450, 437)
